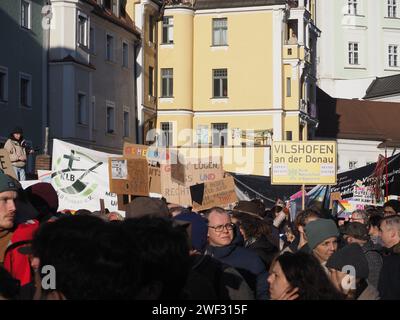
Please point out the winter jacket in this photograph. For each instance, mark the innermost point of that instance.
(16, 263)
(389, 279)
(370, 293)
(265, 249)
(17, 152)
(227, 282)
(375, 262)
(247, 263)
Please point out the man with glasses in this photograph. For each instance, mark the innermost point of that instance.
(221, 232)
(389, 280)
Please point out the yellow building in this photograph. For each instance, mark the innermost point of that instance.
(232, 75)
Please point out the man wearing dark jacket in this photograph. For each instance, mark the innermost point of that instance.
(247, 262)
(389, 280)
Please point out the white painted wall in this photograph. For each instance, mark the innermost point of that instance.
(362, 151)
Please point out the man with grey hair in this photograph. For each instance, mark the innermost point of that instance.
(389, 280)
(221, 232)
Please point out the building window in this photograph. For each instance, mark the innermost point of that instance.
(392, 8)
(219, 134)
(82, 109)
(352, 7)
(110, 117)
(151, 29)
(82, 29)
(92, 37)
(202, 134)
(151, 81)
(109, 47)
(353, 53)
(393, 55)
(94, 122)
(107, 4)
(115, 8)
(167, 82)
(288, 87)
(166, 134)
(353, 165)
(168, 30)
(26, 14)
(289, 135)
(126, 123)
(220, 83)
(3, 84)
(125, 54)
(25, 90)
(220, 32)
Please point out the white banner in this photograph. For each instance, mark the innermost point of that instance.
(80, 177)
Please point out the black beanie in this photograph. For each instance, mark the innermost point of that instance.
(350, 255)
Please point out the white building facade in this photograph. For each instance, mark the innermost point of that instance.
(360, 40)
(92, 49)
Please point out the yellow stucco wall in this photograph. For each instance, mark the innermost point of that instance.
(291, 123)
(178, 56)
(292, 102)
(150, 60)
(249, 75)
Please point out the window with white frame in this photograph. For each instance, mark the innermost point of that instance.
(125, 54)
(219, 134)
(3, 84)
(110, 117)
(168, 30)
(82, 109)
(115, 7)
(26, 14)
(92, 37)
(126, 122)
(82, 29)
(166, 134)
(393, 55)
(220, 83)
(392, 8)
(352, 7)
(25, 90)
(109, 47)
(353, 51)
(220, 31)
(167, 82)
(202, 134)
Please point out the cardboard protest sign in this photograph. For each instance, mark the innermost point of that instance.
(211, 194)
(154, 179)
(129, 176)
(197, 170)
(5, 163)
(172, 191)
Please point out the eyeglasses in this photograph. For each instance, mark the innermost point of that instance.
(220, 228)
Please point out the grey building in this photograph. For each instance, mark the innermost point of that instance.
(23, 70)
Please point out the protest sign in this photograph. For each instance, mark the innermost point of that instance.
(80, 177)
(5, 163)
(129, 176)
(304, 163)
(216, 193)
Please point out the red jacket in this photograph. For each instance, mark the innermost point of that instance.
(16, 263)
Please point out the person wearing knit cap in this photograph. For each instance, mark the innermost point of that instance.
(349, 273)
(322, 238)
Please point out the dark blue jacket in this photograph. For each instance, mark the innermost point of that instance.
(247, 262)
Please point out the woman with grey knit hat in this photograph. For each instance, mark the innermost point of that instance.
(349, 273)
(322, 237)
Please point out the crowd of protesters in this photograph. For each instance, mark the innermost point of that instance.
(163, 251)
